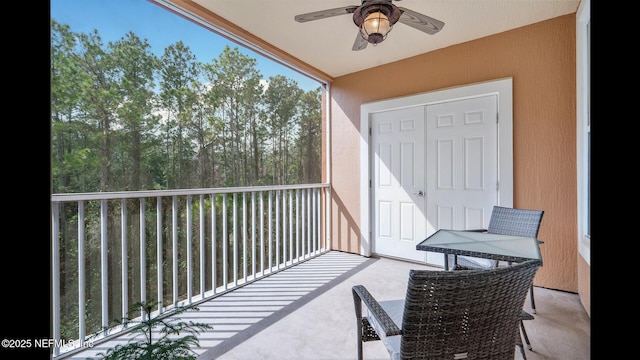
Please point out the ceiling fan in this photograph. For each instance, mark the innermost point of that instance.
(375, 18)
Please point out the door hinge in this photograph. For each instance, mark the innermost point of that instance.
(369, 131)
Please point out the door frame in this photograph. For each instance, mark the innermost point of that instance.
(503, 88)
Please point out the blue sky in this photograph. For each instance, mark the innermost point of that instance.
(115, 18)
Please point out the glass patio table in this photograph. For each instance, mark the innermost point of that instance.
(482, 245)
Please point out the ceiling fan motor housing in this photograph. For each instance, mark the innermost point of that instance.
(385, 7)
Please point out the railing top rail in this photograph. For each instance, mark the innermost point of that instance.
(176, 192)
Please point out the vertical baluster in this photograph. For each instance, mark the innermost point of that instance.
(308, 227)
(189, 254)
(262, 233)
(284, 227)
(314, 219)
(270, 232)
(244, 236)
(104, 253)
(253, 234)
(225, 250)
(278, 229)
(214, 246)
(291, 221)
(81, 273)
(303, 223)
(235, 239)
(202, 233)
(298, 225)
(159, 253)
(55, 274)
(143, 253)
(175, 248)
(124, 272)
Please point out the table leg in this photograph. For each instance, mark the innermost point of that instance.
(446, 262)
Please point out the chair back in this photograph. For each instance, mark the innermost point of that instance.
(513, 221)
(466, 314)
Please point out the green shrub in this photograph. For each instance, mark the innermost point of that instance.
(177, 338)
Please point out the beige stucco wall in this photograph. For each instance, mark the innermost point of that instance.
(541, 60)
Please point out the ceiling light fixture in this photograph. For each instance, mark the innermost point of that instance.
(376, 21)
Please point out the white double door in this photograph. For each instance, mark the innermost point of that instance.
(433, 166)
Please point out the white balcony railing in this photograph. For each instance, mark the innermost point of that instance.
(171, 247)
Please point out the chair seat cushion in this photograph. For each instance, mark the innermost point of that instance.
(395, 310)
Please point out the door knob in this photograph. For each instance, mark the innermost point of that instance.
(419, 193)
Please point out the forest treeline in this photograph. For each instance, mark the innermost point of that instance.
(124, 119)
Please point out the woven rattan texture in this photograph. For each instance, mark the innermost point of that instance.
(368, 332)
(453, 314)
(517, 222)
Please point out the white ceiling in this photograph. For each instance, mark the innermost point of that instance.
(326, 43)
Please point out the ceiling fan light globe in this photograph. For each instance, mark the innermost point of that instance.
(376, 23)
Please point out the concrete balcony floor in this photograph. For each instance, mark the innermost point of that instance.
(306, 312)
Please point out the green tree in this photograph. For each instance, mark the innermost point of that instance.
(100, 98)
(179, 74)
(236, 88)
(309, 144)
(281, 100)
(203, 134)
(135, 66)
(74, 160)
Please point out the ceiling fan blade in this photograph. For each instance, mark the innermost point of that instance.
(420, 22)
(360, 43)
(317, 15)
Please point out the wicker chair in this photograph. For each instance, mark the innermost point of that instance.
(467, 314)
(507, 221)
